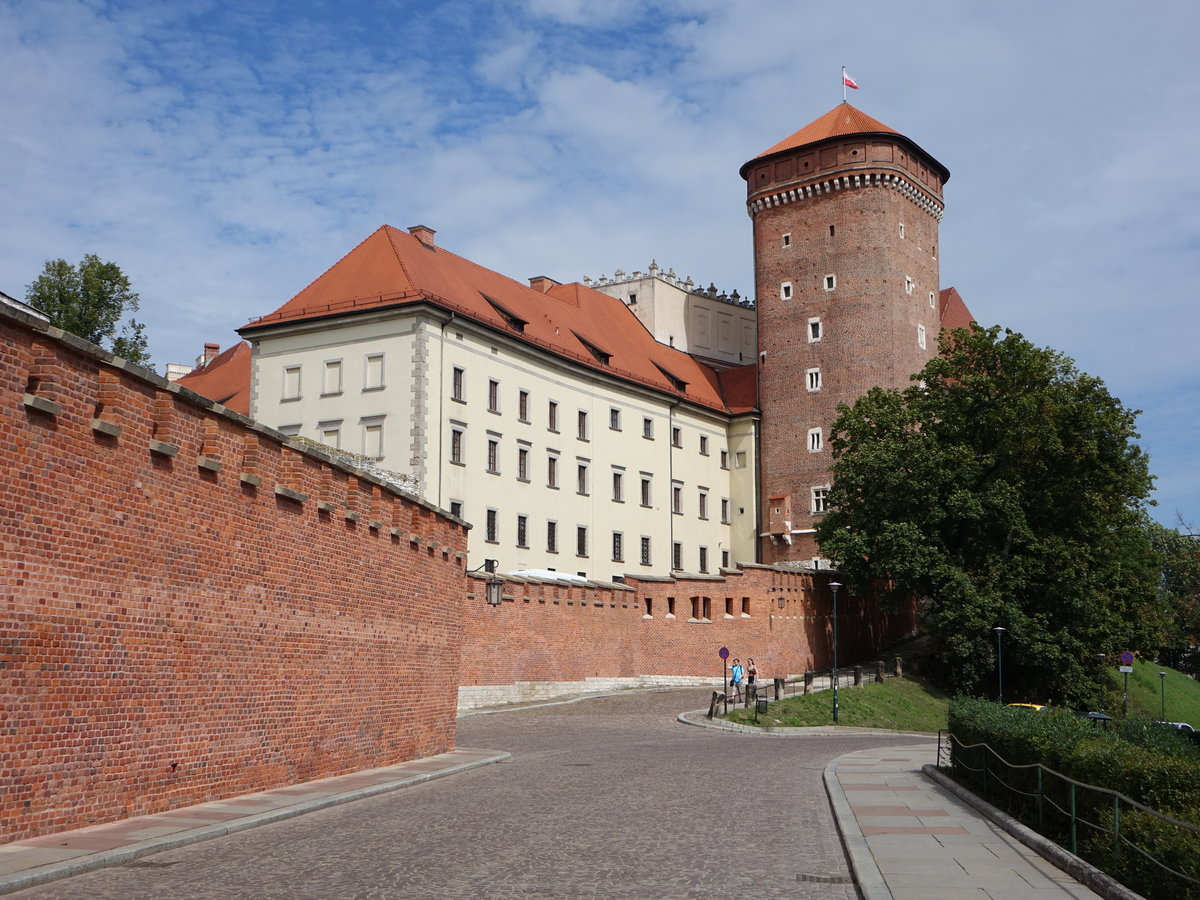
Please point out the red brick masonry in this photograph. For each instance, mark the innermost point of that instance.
(191, 609)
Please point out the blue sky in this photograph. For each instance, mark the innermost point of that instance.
(226, 154)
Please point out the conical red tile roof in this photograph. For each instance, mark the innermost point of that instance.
(842, 120)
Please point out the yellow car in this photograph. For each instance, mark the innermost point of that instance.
(1037, 707)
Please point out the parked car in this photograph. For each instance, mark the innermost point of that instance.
(1098, 717)
(1036, 707)
(1182, 726)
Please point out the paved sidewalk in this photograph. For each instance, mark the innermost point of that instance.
(911, 839)
(41, 859)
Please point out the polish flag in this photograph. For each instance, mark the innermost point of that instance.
(848, 81)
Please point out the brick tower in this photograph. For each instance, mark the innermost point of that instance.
(845, 216)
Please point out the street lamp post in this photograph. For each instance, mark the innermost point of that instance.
(835, 587)
(1000, 663)
(1162, 694)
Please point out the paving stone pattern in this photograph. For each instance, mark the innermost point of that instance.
(603, 798)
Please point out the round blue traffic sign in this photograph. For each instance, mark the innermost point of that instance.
(723, 653)
(1127, 658)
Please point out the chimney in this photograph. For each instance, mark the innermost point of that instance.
(211, 352)
(542, 283)
(422, 233)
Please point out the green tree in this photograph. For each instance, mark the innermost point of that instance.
(1178, 552)
(1003, 488)
(91, 301)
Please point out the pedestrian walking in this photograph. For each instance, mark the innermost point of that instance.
(735, 680)
(751, 678)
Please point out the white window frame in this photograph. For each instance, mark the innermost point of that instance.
(785, 291)
(331, 378)
(819, 499)
(921, 336)
(815, 330)
(812, 379)
(290, 388)
(373, 375)
(816, 440)
(830, 282)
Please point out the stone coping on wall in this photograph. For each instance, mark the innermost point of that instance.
(92, 351)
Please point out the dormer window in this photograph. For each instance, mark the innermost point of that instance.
(511, 319)
(601, 356)
(676, 382)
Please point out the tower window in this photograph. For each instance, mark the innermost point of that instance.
(785, 291)
(787, 240)
(932, 301)
(908, 285)
(814, 440)
(820, 499)
(901, 231)
(832, 230)
(921, 336)
(830, 282)
(814, 330)
(814, 379)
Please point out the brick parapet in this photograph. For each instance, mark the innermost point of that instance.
(173, 630)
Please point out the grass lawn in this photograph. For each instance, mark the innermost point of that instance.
(904, 704)
(1147, 693)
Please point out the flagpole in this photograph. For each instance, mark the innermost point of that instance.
(844, 84)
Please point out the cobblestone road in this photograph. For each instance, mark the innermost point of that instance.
(604, 798)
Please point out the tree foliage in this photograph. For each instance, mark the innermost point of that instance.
(1003, 488)
(92, 301)
(1178, 552)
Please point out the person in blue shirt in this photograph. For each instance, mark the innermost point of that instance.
(735, 679)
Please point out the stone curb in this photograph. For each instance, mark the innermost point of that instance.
(699, 719)
(1083, 872)
(862, 861)
(106, 858)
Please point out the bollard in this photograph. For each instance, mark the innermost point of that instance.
(717, 699)
(879, 671)
(808, 680)
(899, 669)
(750, 689)
(778, 688)
(857, 675)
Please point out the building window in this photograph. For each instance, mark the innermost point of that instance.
(523, 406)
(373, 374)
(331, 384)
(646, 553)
(830, 282)
(581, 429)
(785, 291)
(814, 379)
(456, 508)
(493, 456)
(581, 479)
(921, 336)
(832, 230)
(724, 510)
(704, 562)
(739, 459)
(677, 499)
(724, 559)
(701, 609)
(648, 429)
(724, 459)
(552, 416)
(676, 437)
(331, 435)
(787, 240)
(522, 464)
(703, 504)
(646, 492)
(456, 446)
(492, 527)
(618, 487)
(814, 440)
(703, 445)
(614, 419)
(909, 284)
(670, 607)
(677, 556)
(814, 330)
(820, 499)
(632, 297)
(551, 537)
(729, 607)
(901, 231)
(618, 548)
(457, 391)
(932, 301)
(291, 383)
(522, 531)
(372, 440)
(649, 606)
(493, 395)
(581, 547)
(552, 471)
(745, 606)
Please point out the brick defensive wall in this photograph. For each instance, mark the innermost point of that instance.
(190, 607)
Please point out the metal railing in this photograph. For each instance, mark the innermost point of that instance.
(1095, 823)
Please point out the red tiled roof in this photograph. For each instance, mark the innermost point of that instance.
(224, 379)
(843, 119)
(954, 312)
(740, 388)
(393, 268)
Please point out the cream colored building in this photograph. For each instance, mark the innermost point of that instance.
(543, 414)
(721, 329)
